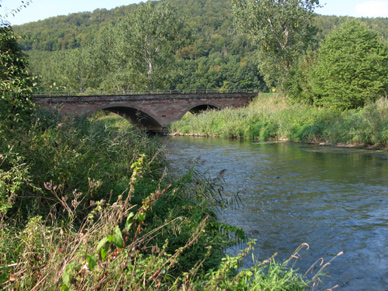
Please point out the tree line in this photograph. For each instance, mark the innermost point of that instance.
(183, 44)
(206, 18)
(140, 51)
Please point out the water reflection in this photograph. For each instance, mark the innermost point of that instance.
(333, 199)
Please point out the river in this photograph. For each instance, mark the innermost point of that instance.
(334, 199)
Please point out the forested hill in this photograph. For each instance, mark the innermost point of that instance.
(210, 18)
(67, 32)
(64, 50)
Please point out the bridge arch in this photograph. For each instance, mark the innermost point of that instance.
(137, 117)
(200, 108)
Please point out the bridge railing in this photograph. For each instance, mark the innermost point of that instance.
(139, 92)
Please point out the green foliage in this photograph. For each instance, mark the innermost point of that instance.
(149, 38)
(76, 67)
(210, 21)
(216, 71)
(298, 81)
(103, 254)
(83, 155)
(215, 57)
(15, 82)
(205, 53)
(275, 118)
(282, 31)
(266, 275)
(14, 174)
(141, 53)
(366, 126)
(68, 32)
(351, 68)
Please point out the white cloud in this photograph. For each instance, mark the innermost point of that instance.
(372, 9)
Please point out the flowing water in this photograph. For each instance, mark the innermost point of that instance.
(333, 199)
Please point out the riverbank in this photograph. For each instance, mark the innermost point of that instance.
(332, 198)
(273, 117)
(92, 204)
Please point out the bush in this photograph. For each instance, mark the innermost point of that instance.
(351, 68)
(64, 159)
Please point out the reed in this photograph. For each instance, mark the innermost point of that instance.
(273, 117)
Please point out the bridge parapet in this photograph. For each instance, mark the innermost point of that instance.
(141, 92)
(137, 98)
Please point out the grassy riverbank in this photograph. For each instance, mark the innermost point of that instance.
(92, 205)
(272, 117)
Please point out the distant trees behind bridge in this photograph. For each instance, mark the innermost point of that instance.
(198, 47)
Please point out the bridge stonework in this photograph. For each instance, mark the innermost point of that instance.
(153, 112)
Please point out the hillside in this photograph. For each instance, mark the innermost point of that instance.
(212, 19)
(217, 57)
(67, 32)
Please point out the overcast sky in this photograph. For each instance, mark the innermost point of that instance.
(41, 9)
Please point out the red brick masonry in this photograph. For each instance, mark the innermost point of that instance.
(151, 111)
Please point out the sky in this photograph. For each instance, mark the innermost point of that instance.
(41, 9)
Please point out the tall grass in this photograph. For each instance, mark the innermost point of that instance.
(274, 118)
(85, 206)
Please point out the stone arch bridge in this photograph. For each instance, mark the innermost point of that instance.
(152, 110)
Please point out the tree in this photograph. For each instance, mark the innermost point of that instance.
(298, 83)
(74, 69)
(282, 29)
(144, 45)
(15, 81)
(112, 63)
(351, 68)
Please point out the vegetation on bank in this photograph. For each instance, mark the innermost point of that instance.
(217, 56)
(336, 94)
(89, 204)
(275, 117)
(348, 71)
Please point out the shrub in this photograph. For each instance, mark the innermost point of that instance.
(351, 68)
(65, 158)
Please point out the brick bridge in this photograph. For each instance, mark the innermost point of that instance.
(151, 110)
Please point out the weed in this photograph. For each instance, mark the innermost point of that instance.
(89, 207)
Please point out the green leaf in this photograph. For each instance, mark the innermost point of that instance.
(128, 223)
(104, 252)
(141, 217)
(118, 238)
(102, 243)
(92, 261)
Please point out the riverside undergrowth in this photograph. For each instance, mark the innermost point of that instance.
(89, 206)
(273, 117)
